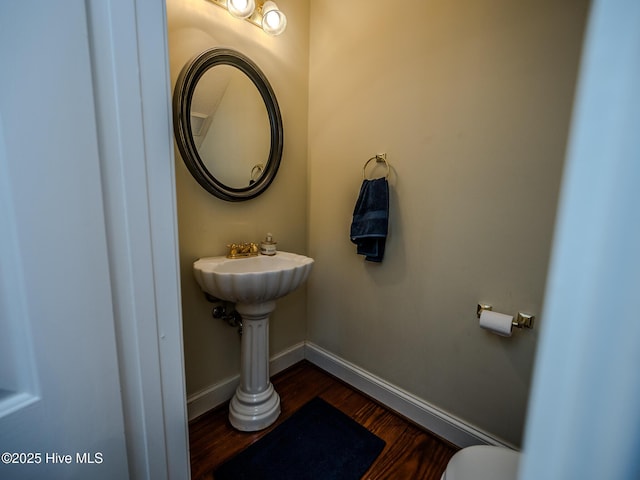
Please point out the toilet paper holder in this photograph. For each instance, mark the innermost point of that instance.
(522, 320)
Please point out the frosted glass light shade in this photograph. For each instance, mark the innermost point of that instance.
(274, 22)
(241, 8)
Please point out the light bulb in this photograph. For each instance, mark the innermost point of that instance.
(274, 22)
(241, 8)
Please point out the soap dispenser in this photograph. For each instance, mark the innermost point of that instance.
(268, 246)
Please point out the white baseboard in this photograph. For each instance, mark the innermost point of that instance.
(211, 397)
(415, 409)
(286, 358)
(221, 392)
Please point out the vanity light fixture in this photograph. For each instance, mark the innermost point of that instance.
(241, 8)
(263, 14)
(274, 22)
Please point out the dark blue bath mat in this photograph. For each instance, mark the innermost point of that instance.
(318, 442)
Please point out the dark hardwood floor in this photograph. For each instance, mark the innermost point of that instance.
(411, 452)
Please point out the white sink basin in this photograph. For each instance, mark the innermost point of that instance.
(253, 284)
(252, 280)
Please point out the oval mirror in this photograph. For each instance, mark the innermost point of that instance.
(227, 124)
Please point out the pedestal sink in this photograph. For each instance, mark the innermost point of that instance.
(253, 284)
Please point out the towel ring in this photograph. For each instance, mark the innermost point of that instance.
(381, 157)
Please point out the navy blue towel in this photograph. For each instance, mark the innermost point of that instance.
(371, 219)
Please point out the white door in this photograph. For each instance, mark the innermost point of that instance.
(60, 401)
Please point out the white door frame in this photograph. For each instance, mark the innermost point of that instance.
(132, 91)
(584, 416)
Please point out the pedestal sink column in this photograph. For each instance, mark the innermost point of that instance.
(255, 405)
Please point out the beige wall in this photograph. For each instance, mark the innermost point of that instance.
(471, 100)
(206, 223)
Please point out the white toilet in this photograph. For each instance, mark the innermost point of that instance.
(483, 462)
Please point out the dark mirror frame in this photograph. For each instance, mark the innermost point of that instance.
(182, 97)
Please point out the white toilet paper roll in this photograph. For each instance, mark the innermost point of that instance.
(495, 322)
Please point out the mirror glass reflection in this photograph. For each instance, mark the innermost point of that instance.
(227, 124)
(230, 126)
